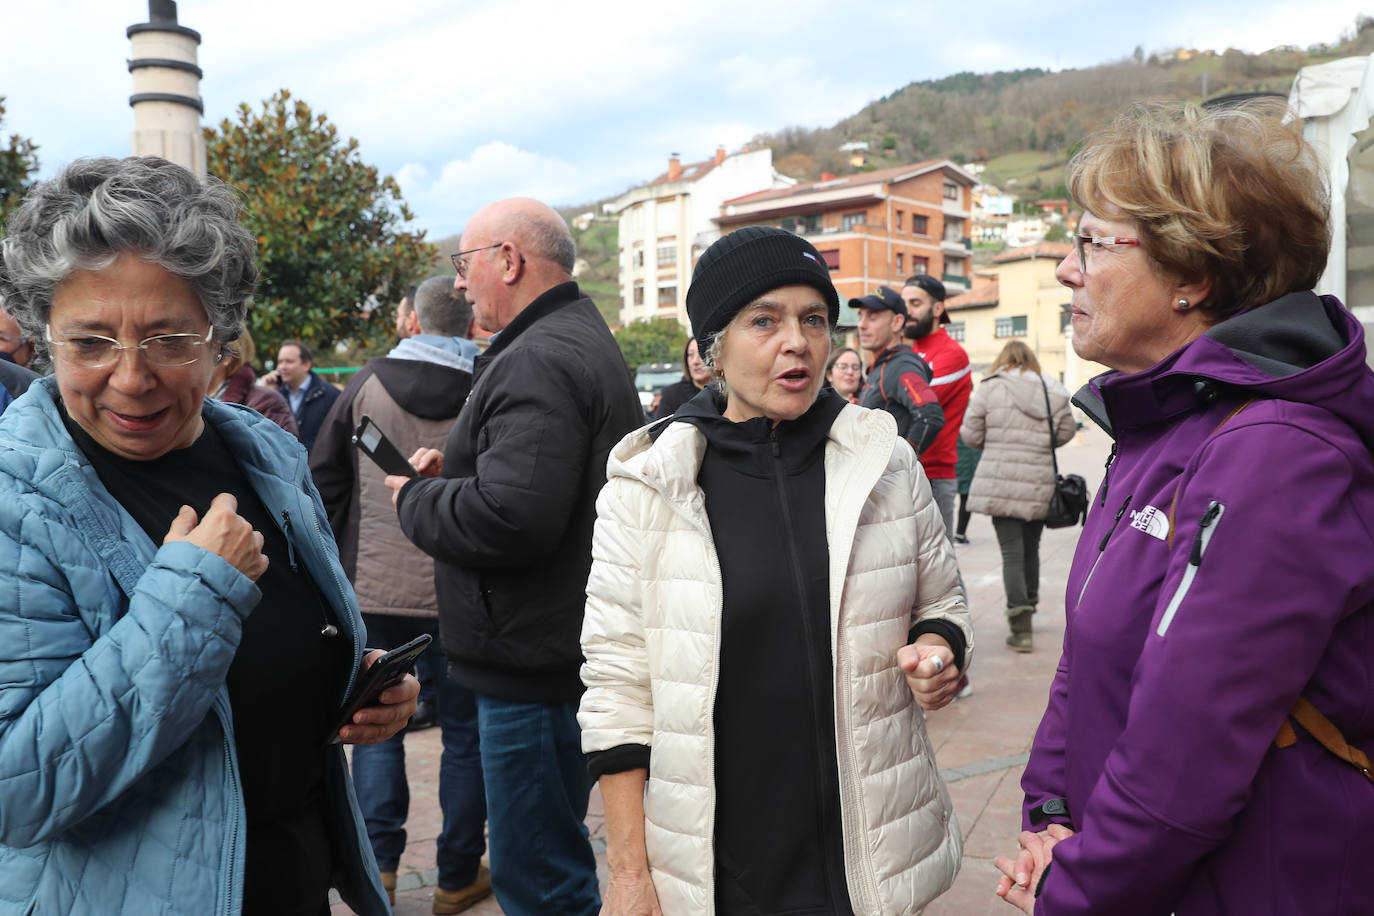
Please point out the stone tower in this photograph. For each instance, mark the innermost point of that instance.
(166, 99)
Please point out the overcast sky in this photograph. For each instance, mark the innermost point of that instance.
(470, 101)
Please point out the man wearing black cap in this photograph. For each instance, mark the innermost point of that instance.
(899, 380)
(952, 382)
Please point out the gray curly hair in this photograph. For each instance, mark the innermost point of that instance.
(98, 209)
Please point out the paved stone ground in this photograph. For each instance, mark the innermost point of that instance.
(981, 742)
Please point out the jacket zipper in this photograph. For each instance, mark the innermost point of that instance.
(799, 581)
(1102, 546)
(850, 813)
(1206, 528)
(290, 548)
(1106, 472)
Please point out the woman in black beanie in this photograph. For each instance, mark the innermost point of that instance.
(772, 603)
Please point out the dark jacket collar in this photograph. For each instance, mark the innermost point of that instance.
(546, 303)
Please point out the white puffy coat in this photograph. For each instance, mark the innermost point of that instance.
(652, 632)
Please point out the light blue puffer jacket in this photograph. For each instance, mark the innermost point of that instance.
(118, 774)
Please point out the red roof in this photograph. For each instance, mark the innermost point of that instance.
(1056, 250)
(985, 291)
(691, 171)
(858, 180)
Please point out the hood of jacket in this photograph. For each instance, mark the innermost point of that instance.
(1025, 389)
(1302, 347)
(426, 389)
(746, 445)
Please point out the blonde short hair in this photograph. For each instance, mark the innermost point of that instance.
(1231, 195)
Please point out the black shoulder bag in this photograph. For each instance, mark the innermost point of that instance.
(1069, 502)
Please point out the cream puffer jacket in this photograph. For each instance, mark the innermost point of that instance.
(1006, 418)
(651, 637)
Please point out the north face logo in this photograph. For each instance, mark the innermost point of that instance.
(1151, 521)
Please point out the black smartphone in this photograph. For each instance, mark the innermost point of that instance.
(386, 671)
(373, 443)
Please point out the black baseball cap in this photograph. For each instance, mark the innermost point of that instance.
(884, 298)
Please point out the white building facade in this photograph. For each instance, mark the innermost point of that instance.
(666, 224)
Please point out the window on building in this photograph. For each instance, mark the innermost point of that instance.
(803, 225)
(919, 224)
(920, 265)
(951, 191)
(639, 257)
(667, 295)
(639, 292)
(667, 255)
(899, 221)
(1065, 317)
(955, 329)
(1013, 326)
(901, 258)
(850, 220)
(831, 257)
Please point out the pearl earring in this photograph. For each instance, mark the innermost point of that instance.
(1183, 304)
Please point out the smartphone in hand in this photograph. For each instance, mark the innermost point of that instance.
(387, 671)
(373, 443)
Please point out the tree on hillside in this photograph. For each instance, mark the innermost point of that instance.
(659, 340)
(18, 161)
(329, 226)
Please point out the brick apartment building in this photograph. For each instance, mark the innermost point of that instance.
(874, 228)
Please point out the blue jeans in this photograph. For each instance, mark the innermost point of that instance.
(537, 788)
(379, 770)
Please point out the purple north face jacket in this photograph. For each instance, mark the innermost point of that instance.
(1221, 574)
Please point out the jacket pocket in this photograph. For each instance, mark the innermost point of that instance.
(1206, 530)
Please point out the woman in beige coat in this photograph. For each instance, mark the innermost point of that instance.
(1007, 419)
(772, 604)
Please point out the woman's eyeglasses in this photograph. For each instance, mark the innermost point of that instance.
(1102, 241)
(95, 351)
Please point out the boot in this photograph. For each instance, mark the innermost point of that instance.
(446, 902)
(1020, 638)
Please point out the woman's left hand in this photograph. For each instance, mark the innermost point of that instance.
(374, 724)
(928, 664)
(1018, 887)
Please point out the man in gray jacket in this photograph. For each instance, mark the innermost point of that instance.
(414, 395)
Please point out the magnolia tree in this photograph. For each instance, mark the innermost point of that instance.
(18, 162)
(331, 242)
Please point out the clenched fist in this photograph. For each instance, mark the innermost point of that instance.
(224, 533)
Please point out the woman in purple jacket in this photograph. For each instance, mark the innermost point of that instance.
(1225, 576)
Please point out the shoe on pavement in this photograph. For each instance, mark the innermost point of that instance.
(447, 902)
(1019, 642)
(965, 688)
(960, 539)
(426, 716)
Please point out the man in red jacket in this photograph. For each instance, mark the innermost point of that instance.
(950, 379)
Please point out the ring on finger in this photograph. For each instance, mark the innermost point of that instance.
(939, 663)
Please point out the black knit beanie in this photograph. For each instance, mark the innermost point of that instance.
(744, 265)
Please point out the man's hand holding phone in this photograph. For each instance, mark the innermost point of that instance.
(428, 462)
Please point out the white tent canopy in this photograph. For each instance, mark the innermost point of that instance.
(1335, 102)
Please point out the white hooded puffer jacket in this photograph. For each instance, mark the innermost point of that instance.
(651, 638)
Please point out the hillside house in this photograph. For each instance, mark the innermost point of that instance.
(874, 228)
(1017, 297)
(666, 224)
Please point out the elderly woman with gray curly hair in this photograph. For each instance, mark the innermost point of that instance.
(176, 633)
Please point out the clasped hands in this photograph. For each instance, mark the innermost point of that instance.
(1021, 876)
